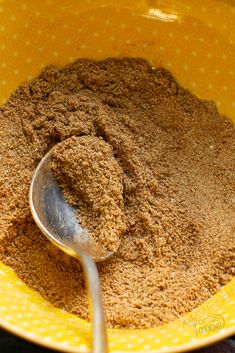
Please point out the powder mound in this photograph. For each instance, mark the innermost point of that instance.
(92, 181)
(170, 158)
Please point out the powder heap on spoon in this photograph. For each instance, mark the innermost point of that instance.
(92, 181)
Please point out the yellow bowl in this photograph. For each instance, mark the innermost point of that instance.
(196, 41)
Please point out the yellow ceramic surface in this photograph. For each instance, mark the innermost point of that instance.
(196, 41)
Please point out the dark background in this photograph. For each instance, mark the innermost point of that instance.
(12, 344)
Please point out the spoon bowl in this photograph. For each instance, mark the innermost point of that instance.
(58, 222)
(56, 218)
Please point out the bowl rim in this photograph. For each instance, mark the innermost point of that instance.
(23, 334)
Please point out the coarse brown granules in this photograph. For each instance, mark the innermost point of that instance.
(176, 155)
(92, 180)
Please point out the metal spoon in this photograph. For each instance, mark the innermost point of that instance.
(58, 222)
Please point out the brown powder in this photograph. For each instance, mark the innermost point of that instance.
(171, 158)
(91, 179)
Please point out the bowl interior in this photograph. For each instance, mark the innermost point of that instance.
(194, 40)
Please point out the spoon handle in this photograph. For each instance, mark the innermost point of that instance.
(99, 340)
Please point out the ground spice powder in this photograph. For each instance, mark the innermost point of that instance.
(92, 181)
(172, 160)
